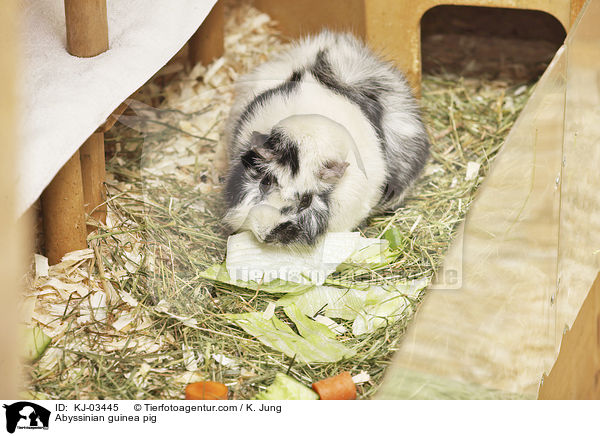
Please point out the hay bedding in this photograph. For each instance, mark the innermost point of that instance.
(131, 318)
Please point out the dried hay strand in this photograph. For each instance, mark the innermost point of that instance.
(131, 318)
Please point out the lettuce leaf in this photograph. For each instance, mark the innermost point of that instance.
(329, 301)
(218, 273)
(285, 387)
(313, 346)
(371, 307)
(249, 260)
(35, 342)
(370, 257)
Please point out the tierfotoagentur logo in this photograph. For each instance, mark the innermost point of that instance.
(24, 415)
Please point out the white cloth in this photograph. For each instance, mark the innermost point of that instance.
(65, 98)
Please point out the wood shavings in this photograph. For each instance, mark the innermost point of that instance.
(50, 359)
(139, 377)
(472, 170)
(123, 321)
(76, 256)
(189, 358)
(225, 361)
(127, 298)
(245, 373)
(212, 70)
(189, 377)
(361, 378)
(97, 304)
(59, 285)
(164, 307)
(41, 266)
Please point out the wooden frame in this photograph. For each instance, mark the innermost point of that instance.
(78, 188)
(207, 43)
(392, 27)
(11, 236)
(74, 192)
(526, 256)
(576, 372)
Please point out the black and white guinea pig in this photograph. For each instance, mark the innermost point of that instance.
(318, 138)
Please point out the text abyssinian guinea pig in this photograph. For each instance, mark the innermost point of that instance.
(318, 138)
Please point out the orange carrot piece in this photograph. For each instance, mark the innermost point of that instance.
(207, 390)
(339, 387)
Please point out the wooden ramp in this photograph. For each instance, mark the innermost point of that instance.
(516, 277)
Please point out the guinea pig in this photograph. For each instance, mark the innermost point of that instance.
(319, 138)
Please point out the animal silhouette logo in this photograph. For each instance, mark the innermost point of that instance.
(26, 415)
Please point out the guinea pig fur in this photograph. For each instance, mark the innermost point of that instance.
(318, 138)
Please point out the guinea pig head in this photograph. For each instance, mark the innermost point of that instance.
(281, 187)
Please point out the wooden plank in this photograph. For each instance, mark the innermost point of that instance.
(409, 384)
(393, 27)
(529, 249)
(579, 243)
(64, 219)
(207, 44)
(489, 318)
(11, 235)
(576, 6)
(302, 17)
(576, 372)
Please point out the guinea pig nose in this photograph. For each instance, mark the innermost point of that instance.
(285, 233)
(268, 238)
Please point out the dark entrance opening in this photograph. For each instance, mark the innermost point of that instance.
(494, 43)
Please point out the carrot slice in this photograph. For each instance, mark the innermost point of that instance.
(339, 387)
(207, 390)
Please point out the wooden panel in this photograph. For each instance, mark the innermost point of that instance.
(579, 245)
(302, 17)
(523, 280)
(576, 373)
(409, 384)
(496, 328)
(207, 44)
(576, 6)
(394, 26)
(11, 241)
(391, 27)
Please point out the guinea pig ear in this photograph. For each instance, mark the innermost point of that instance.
(264, 153)
(257, 141)
(333, 171)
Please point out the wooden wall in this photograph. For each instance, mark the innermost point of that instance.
(11, 241)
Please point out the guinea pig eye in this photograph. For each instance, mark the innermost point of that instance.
(305, 201)
(266, 183)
